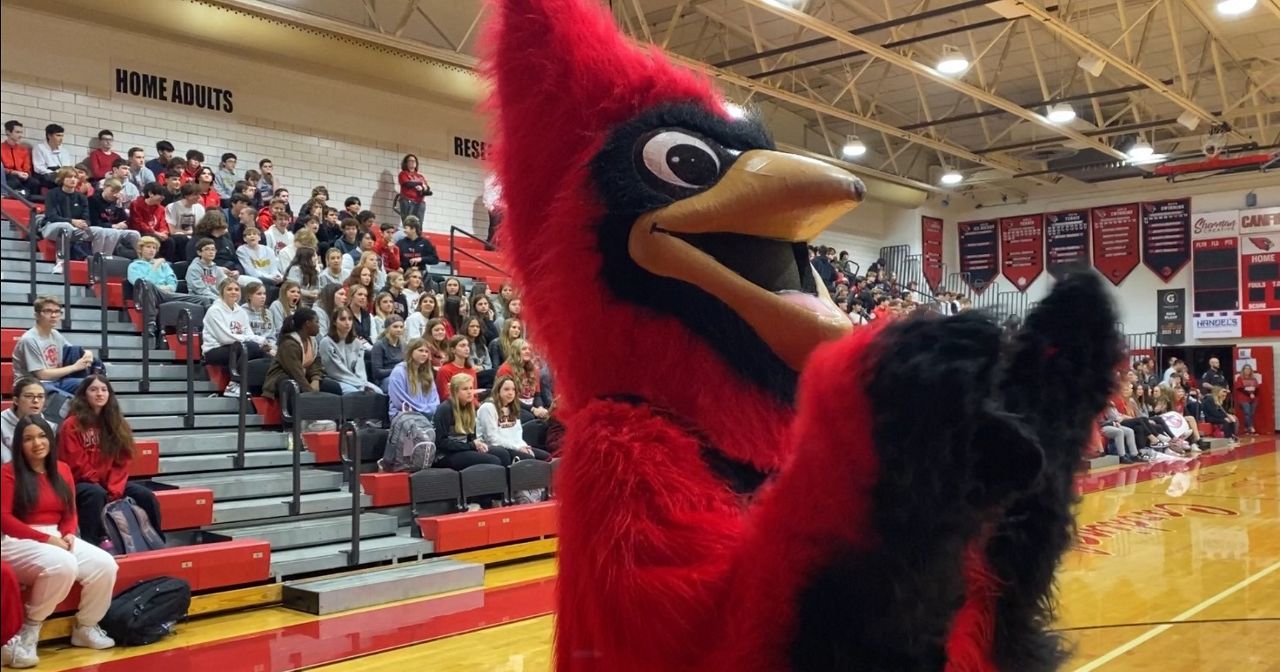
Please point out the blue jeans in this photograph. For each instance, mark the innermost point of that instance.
(68, 384)
(64, 386)
(1247, 409)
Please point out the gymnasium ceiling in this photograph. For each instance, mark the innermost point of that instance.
(865, 67)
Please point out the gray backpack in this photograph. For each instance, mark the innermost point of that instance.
(129, 529)
(411, 443)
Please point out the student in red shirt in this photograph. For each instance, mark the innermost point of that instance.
(97, 443)
(459, 353)
(101, 159)
(413, 190)
(195, 159)
(528, 376)
(147, 217)
(386, 249)
(209, 197)
(38, 520)
(17, 160)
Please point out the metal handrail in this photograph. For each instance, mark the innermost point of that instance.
(187, 336)
(32, 235)
(98, 280)
(66, 283)
(289, 397)
(454, 250)
(349, 448)
(144, 298)
(239, 363)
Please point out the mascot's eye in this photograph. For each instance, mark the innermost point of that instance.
(681, 160)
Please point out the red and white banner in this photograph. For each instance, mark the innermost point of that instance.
(1022, 249)
(1115, 240)
(931, 252)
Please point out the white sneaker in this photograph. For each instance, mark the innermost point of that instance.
(57, 267)
(233, 390)
(20, 652)
(91, 637)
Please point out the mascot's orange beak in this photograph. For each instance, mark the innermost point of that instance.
(743, 240)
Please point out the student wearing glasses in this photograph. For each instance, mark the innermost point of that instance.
(44, 354)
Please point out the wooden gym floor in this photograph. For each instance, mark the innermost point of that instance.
(1178, 570)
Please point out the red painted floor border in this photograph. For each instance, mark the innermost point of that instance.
(354, 635)
(1140, 473)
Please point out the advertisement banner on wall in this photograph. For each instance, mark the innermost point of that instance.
(1216, 324)
(1215, 261)
(1171, 316)
(1115, 240)
(1166, 236)
(1066, 239)
(931, 251)
(979, 254)
(1022, 249)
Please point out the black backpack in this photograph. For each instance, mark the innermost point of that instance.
(129, 529)
(148, 611)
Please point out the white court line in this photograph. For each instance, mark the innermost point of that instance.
(1156, 631)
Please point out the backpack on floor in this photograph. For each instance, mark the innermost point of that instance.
(411, 443)
(148, 611)
(128, 528)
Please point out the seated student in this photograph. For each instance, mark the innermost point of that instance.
(209, 197)
(388, 351)
(187, 211)
(457, 446)
(289, 300)
(148, 217)
(44, 354)
(330, 229)
(101, 158)
(416, 251)
(415, 326)
(351, 237)
(498, 421)
(527, 373)
(159, 274)
(385, 247)
(482, 309)
(97, 443)
(164, 154)
(298, 358)
(413, 290)
(39, 521)
(203, 275)
(260, 320)
(303, 238)
(107, 211)
(334, 272)
(480, 358)
(458, 353)
(28, 399)
(172, 185)
(195, 161)
(343, 356)
(213, 226)
(368, 273)
(265, 177)
(139, 174)
(384, 307)
(274, 221)
(66, 213)
(18, 172)
(503, 347)
(358, 302)
(51, 156)
(410, 386)
(505, 293)
(225, 179)
(394, 290)
(1215, 412)
(302, 271)
(331, 298)
(258, 260)
(225, 324)
(128, 190)
(240, 216)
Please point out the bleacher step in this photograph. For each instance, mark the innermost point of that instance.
(1103, 461)
(173, 371)
(155, 404)
(205, 421)
(298, 533)
(402, 582)
(81, 305)
(84, 320)
(256, 484)
(185, 464)
(275, 507)
(334, 556)
(199, 443)
(10, 289)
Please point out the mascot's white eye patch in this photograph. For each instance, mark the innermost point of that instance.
(681, 160)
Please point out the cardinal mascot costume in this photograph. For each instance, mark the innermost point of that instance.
(748, 484)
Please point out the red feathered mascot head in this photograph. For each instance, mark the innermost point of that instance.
(660, 241)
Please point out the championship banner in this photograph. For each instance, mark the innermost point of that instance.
(1115, 240)
(1022, 249)
(1166, 236)
(1215, 261)
(1066, 239)
(931, 252)
(979, 253)
(1171, 316)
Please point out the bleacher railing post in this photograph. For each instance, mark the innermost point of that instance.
(186, 335)
(66, 282)
(98, 278)
(144, 298)
(240, 355)
(289, 399)
(349, 447)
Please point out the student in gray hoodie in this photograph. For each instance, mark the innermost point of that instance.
(343, 355)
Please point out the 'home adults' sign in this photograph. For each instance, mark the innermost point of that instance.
(154, 87)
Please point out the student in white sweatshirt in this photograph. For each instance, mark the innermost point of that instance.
(343, 355)
(226, 323)
(257, 259)
(498, 422)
